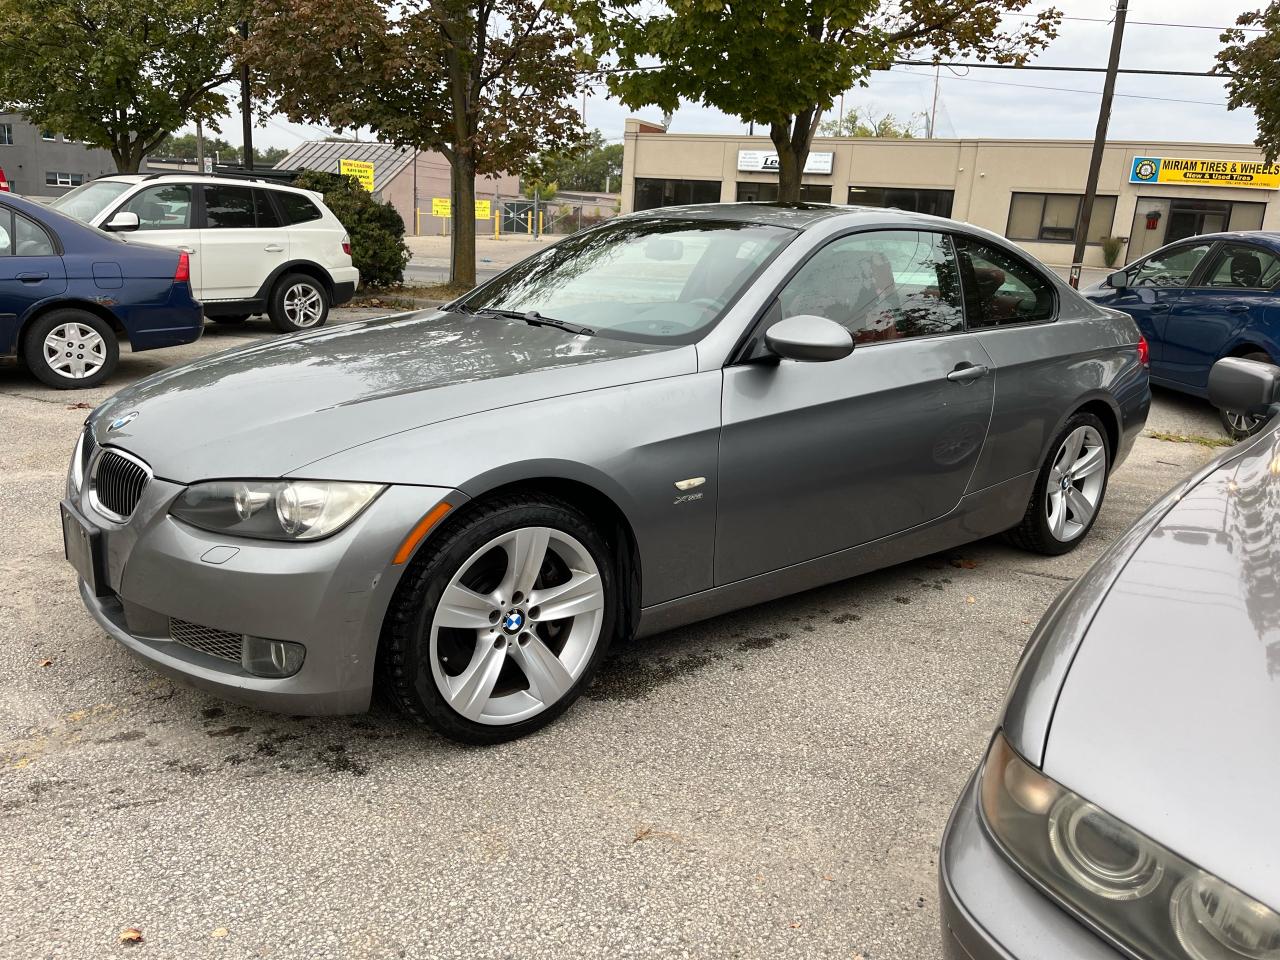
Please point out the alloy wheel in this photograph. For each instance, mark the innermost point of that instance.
(1076, 482)
(517, 625)
(75, 350)
(1242, 424)
(303, 305)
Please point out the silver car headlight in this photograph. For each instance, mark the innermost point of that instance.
(75, 476)
(274, 509)
(1131, 888)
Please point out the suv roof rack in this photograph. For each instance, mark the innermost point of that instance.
(230, 173)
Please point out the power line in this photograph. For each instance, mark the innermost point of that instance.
(1092, 93)
(1148, 23)
(1049, 69)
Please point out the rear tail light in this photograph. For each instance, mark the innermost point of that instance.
(346, 246)
(4, 183)
(183, 273)
(1144, 351)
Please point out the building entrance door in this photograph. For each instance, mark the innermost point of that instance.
(1190, 218)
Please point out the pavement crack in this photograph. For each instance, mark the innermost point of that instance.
(1047, 576)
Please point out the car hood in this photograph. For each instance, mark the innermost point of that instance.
(274, 407)
(1169, 713)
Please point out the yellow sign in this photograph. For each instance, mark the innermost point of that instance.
(443, 207)
(360, 169)
(1206, 173)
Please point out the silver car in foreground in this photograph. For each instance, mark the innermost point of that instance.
(667, 417)
(1127, 803)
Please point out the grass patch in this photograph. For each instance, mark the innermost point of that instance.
(1195, 438)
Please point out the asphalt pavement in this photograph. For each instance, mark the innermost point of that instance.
(768, 784)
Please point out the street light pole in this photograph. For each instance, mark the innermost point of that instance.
(246, 117)
(1099, 143)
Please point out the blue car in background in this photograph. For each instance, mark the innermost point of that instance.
(69, 292)
(1199, 300)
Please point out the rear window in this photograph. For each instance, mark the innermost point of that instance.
(297, 208)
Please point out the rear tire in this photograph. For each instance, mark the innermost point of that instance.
(1241, 426)
(298, 302)
(1069, 490)
(71, 349)
(485, 648)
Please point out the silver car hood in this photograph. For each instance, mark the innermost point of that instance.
(272, 408)
(1169, 713)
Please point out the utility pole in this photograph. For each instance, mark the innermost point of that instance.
(246, 116)
(1099, 143)
(933, 111)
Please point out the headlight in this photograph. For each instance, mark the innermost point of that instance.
(1130, 887)
(75, 477)
(274, 509)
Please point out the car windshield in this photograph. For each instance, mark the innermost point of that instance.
(88, 200)
(654, 279)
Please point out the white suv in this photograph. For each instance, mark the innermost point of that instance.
(255, 246)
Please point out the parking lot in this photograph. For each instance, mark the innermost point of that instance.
(771, 783)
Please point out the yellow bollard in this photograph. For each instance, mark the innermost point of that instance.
(539, 223)
(528, 222)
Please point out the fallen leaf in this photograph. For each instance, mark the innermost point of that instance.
(963, 563)
(81, 405)
(970, 599)
(795, 925)
(130, 935)
(220, 933)
(828, 879)
(46, 663)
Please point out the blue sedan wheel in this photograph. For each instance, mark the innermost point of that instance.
(71, 349)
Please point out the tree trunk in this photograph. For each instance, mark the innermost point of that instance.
(792, 140)
(462, 263)
(128, 156)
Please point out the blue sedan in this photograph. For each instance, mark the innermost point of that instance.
(1199, 300)
(69, 292)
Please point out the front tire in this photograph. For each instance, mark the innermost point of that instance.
(71, 349)
(1069, 490)
(1241, 426)
(499, 626)
(298, 302)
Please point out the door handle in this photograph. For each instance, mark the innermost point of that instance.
(1159, 308)
(966, 372)
(32, 277)
(273, 248)
(1237, 308)
(189, 251)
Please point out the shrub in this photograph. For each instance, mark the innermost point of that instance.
(376, 229)
(1111, 247)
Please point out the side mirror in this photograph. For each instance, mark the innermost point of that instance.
(809, 338)
(1243, 386)
(1118, 280)
(122, 222)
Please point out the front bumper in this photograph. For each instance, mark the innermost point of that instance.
(330, 596)
(990, 912)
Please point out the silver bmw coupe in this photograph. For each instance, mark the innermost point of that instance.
(655, 421)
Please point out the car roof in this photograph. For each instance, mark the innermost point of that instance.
(194, 177)
(796, 216)
(1270, 237)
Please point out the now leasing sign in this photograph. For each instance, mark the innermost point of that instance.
(1205, 173)
(766, 161)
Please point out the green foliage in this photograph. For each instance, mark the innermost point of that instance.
(782, 63)
(115, 74)
(856, 124)
(376, 229)
(1111, 248)
(593, 165)
(544, 191)
(183, 147)
(1253, 62)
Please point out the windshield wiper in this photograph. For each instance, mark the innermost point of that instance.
(533, 318)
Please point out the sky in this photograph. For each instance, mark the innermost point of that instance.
(1006, 103)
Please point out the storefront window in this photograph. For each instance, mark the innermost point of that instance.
(934, 202)
(652, 192)
(1051, 217)
(768, 192)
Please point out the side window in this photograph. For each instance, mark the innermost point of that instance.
(1169, 268)
(30, 239)
(165, 207)
(882, 285)
(6, 233)
(228, 207)
(267, 216)
(297, 208)
(1002, 288)
(1240, 265)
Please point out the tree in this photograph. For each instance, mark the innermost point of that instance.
(855, 124)
(117, 75)
(1252, 62)
(486, 83)
(593, 165)
(183, 147)
(782, 63)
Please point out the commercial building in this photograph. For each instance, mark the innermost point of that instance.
(1027, 190)
(41, 163)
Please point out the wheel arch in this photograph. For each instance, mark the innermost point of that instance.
(1254, 345)
(307, 267)
(72, 303)
(1105, 408)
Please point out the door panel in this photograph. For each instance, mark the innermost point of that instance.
(817, 457)
(30, 271)
(241, 242)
